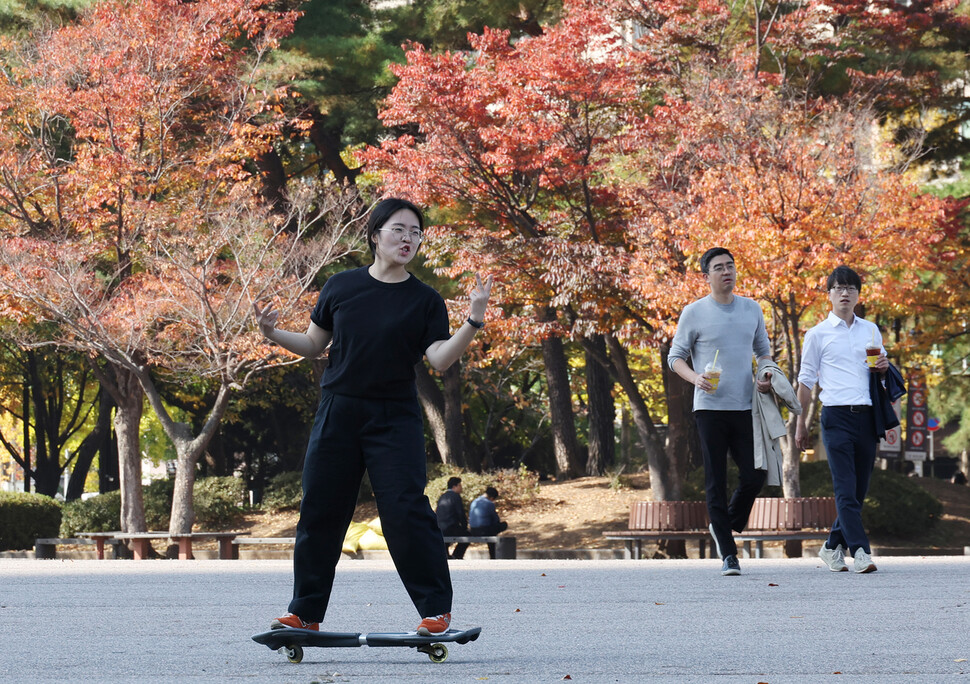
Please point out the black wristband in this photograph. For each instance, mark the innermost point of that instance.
(475, 324)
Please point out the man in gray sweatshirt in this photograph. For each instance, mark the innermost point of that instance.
(732, 329)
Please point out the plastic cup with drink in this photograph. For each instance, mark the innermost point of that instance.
(873, 350)
(713, 373)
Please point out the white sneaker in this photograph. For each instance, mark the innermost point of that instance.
(834, 558)
(862, 561)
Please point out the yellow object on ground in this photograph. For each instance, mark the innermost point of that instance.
(364, 537)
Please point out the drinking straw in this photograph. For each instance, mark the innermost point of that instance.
(714, 362)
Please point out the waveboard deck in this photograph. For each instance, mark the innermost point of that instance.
(292, 641)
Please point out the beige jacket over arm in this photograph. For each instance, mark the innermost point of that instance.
(768, 424)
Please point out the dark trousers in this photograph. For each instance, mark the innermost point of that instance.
(490, 531)
(720, 433)
(850, 445)
(385, 437)
(460, 549)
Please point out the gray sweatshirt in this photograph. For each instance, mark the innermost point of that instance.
(738, 331)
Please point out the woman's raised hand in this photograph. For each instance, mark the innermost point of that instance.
(479, 295)
(265, 318)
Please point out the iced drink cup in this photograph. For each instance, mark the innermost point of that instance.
(872, 355)
(713, 373)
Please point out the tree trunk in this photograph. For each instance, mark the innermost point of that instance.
(442, 410)
(89, 448)
(328, 145)
(683, 446)
(791, 485)
(25, 398)
(109, 479)
(791, 455)
(188, 447)
(663, 480)
(126, 421)
(454, 417)
(566, 449)
(183, 506)
(602, 412)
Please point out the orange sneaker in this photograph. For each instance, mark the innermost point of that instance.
(294, 622)
(433, 626)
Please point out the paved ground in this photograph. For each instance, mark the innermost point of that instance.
(783, 620)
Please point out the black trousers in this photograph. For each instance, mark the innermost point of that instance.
(720, 433)
(850, 446)
(385, 438)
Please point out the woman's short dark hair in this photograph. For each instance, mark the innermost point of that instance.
(710, 254)
(382, 211)
(843, 275)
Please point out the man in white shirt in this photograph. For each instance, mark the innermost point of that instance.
(834, 357)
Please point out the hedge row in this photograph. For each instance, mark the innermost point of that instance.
(217, 500)
(25, 517)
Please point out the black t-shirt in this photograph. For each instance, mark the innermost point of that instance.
(380, 331)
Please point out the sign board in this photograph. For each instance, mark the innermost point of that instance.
(916, 420)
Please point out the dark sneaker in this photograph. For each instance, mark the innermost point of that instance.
(433, 626)
(294, 622)
(834, 558)
(731, 566)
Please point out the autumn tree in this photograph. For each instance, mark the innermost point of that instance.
(794, 196)
(130, 212)
(519, 144)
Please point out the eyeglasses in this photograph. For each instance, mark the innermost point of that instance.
(400, 233)
(845, 289)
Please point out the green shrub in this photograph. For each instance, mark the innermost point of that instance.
(100, 513)
(898, 507)
(24, 517)
(217, 501)
(815, 479)
(284, 492)
(157, 496)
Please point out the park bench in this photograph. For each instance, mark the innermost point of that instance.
(46, 547)
(259, 541)
(791, 520)
(505, 547)
(653, 521)
(141, 542)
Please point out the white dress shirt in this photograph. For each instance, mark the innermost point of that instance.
(834, 357)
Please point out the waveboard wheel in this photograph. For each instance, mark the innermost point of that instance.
(293, 653)
(438, 653)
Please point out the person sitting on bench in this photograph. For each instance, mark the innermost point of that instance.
(483, 519)
(451, 516)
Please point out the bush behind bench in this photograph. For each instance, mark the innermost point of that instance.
(24, 517)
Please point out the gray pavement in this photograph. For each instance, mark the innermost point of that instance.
(783, 620)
